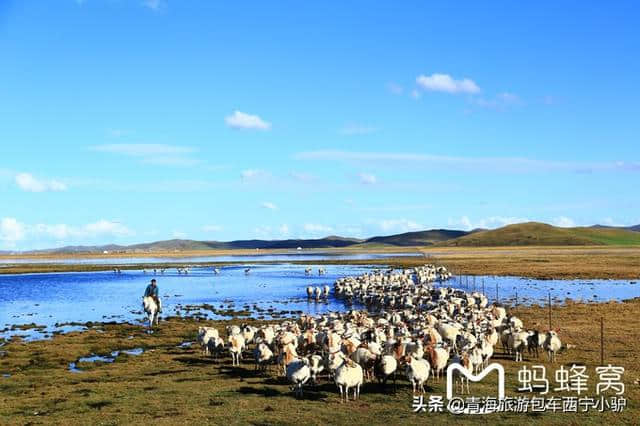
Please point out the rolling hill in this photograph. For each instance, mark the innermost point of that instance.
(534, 233)
(419, 238)
(521, 234)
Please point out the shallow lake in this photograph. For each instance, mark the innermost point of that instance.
(279, 257)
(58, 301)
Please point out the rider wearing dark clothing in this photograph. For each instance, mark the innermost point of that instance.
(152, 291)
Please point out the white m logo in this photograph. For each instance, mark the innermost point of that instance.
(475, 378)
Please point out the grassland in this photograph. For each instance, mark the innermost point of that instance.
(541, 234)
(170, 385)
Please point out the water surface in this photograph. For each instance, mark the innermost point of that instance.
(63, 302)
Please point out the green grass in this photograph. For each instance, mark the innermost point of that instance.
(541, 234)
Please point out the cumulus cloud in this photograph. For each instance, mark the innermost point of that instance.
(445, 83)
(152, 153)
(367, 179)
(315, 228)
(563, 222)
(491, 222)
(28, 182)
(399, 225)
(212, 228)
(250, 175)
(241, 120)
(13, 231)
(269, 205)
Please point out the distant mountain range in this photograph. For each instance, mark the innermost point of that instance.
(521, 234)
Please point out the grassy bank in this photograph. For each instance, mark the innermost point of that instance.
(169, 384)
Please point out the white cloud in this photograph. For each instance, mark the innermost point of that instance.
(28, 182)
(254, 175)
(445, 83)
(315, 229)
(100, 228)
(152, 153)
(563, 222)
(262, 232)
(284, 230)
(241, 120)
(367, 178)
(399, 225)
(503, 164)
(500, 102)
(13, 231)
(155, 5)
(609, 221)
(491, 222)
(212, 228)
(357, 129)
(179, 235)
(269, 205)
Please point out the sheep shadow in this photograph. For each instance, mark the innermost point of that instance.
(195, 361)
(308, 394)
(240, 372)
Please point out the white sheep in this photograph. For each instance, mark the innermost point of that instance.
(438, 358)
(236, 346)
(385, 367)
(263, 355)
(417, 371)
(215, 346)
(552, 345)
(316, 366)
(347, 374)
(204, 335)
(298, 373)
(518, 343)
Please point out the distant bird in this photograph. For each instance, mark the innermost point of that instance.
(246, 271)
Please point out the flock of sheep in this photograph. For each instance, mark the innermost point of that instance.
(410, 325)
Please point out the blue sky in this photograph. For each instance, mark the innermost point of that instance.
(129, 121)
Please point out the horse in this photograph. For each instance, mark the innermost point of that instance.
(151, 309)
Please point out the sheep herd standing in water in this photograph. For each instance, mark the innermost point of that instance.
(412, 324)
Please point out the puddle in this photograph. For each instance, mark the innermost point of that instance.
(185, 345)
(73, 366)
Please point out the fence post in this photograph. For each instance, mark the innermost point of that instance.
(601, 340)
(549, 311)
